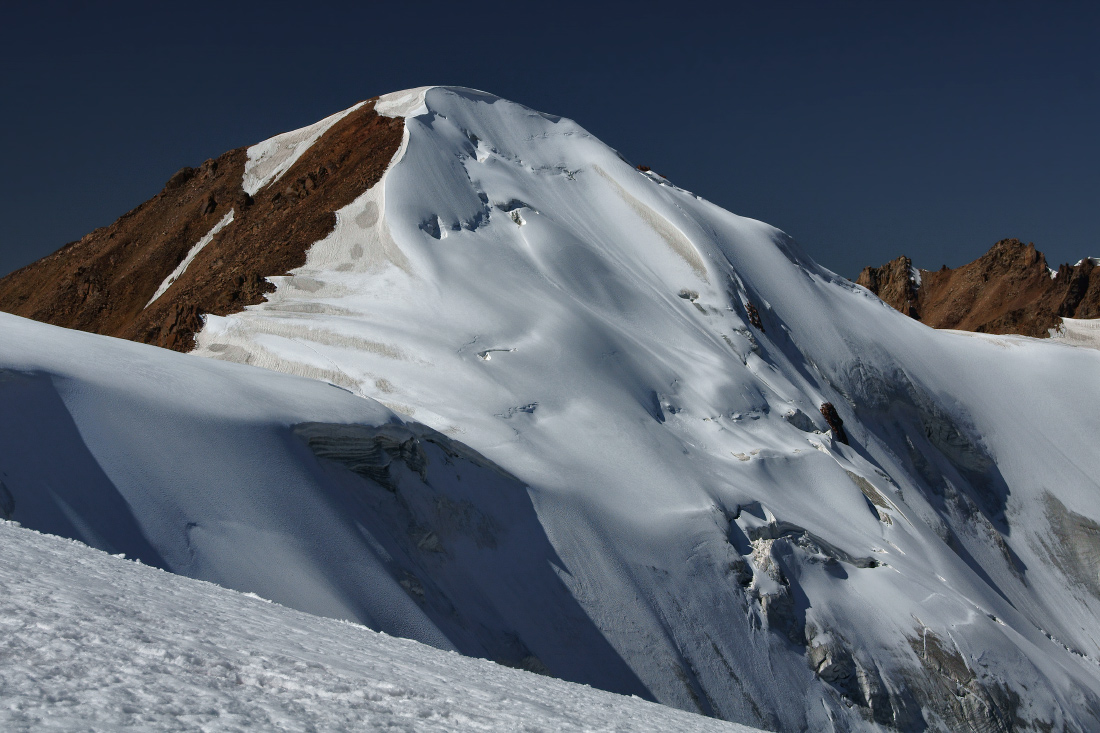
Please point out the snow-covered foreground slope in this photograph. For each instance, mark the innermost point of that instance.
(92, 642)
(632, 484)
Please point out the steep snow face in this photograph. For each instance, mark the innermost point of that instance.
(407, 103)
(93, 642)
(654, 367)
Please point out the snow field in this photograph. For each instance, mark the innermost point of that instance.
(1078, 332)
(94, 642)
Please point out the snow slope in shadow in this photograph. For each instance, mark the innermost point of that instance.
(289, 488)
(95, 642)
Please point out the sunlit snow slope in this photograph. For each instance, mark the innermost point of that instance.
(678, 520)
(92, 642)
(514, 283)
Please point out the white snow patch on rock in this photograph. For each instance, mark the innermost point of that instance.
(269, 160)
(94, 642)
(191, 254)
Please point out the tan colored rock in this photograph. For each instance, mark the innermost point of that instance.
(1007, 290)
(103, 283)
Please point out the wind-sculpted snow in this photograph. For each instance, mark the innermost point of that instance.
(653, 369)
(586, 326)
(1079, 332)
(92, 642)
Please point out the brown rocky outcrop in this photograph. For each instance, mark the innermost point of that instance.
(828, 411)
(893, 282)
(1009, 289)
(103, 282)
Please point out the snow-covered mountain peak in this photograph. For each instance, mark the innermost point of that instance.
(662, 373)
(750, 488)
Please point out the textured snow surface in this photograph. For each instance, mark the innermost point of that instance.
(642, 493)
(1078, 332)
(93, 642)
(402, 104)
(513, 282)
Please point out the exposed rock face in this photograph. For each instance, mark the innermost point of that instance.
(964, 698)
(835, 423)
(754, 316)
(104, 282)
(893, 282)
(1007, 290)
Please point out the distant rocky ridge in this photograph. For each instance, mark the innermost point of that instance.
(107, 281)
(1008, 290)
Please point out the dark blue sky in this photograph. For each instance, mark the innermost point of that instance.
(864, 129)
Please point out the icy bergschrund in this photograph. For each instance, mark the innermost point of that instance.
(608, 473)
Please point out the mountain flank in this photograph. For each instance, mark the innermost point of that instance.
(106, 281)
(1009, 289)
(526, 402)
